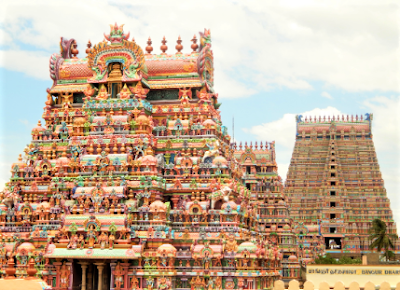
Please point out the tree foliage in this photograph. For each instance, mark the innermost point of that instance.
(381, 238)
(328, 260)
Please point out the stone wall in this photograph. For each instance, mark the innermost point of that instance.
(294, 285)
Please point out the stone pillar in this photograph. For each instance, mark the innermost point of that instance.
(89, 285)
(84, 266)
(364, 259)
(71, 275)
(100, 267)
(125, 267)
(58, 267)
(112, 265)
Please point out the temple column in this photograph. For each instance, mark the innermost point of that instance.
(112, 265)
(84, 266)
(71, 275)
(100, 267)
(125, 267)
(58, 266)
(89, 285)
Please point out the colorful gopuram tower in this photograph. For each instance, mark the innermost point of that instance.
(260, 175)
(334, 184)
(131, 182)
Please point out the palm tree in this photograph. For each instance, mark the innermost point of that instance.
(381, 238)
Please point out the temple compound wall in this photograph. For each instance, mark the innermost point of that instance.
(336, 285)
(347, 274)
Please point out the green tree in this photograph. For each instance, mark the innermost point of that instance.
(328, 260)
(381, 238)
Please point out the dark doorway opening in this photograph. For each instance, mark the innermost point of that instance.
(333, 243)
(107, 277)
(77, 274)
(218, 204)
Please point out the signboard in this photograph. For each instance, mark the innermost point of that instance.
(361, 274)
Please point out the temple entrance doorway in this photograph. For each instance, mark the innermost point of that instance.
(95, 278)
(218, 204)
(77, 272)
(91, 275)
(107, 277)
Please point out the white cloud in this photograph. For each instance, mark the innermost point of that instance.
(283, 130)
(326, 95)
(32, 63)
(386, 134)
(348, 44)
(231, 89)
(386, 121)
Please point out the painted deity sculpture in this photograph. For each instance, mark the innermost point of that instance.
(103, 94)
(231, 244)
(213, 147)
(118, 276)
(64, 276)
(91, 238)
(124, 93)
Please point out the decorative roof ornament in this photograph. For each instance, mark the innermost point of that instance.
(68, 48)
(205, 38)
(149, 48)
(205, 60)
(163, 47)
(179, 45)
(194, 45)
(116, 34)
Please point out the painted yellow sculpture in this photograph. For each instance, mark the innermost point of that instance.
(124, 93)
(103, 94)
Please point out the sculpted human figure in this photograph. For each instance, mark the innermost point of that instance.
(231, 244)
(67, 99)
(89, 92)
(102, 162)
(118, 276)
(103, 239)
(103, 94)
(91, 238)
(73, 242)
(134, 283)
(185, 95)
(81, 241)
(207, 260)
(64, 276)
(213, 148)
(124, 93)
(111, 240)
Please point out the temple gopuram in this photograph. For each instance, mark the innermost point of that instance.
(260, 176)
(131, 181)
(334, 185)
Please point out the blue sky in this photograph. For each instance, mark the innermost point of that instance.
(273, 60)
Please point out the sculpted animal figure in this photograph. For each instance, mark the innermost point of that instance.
(160, 160)
(213, 150)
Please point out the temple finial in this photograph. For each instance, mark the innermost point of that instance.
(149, 48)
(194, 45)
(179, 45)
(89, 45)
(163, 47)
